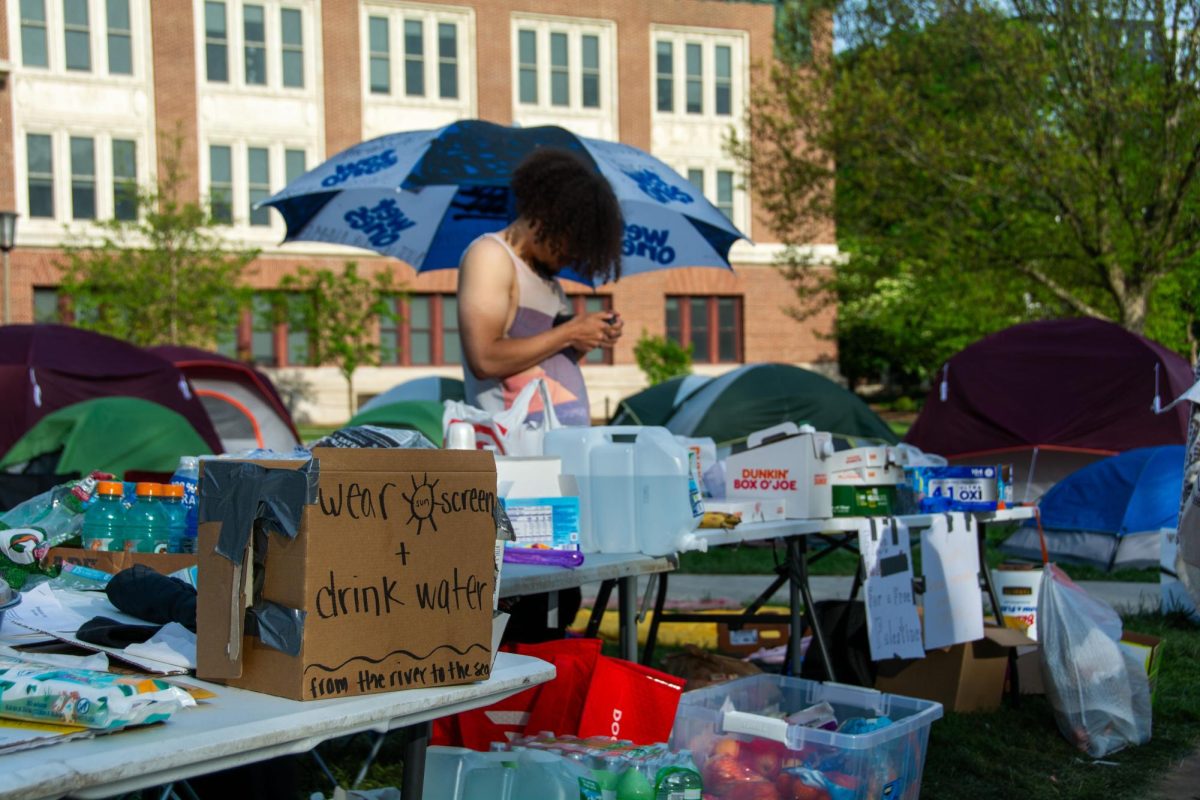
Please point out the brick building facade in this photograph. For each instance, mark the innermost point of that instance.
(259, 90)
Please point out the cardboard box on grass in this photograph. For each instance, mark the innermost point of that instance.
(751, 637)
(965, 677)
(386, 581)
(116, 561)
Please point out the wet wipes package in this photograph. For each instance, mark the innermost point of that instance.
(961, 488)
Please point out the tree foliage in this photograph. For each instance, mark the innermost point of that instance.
(165, 277)
(340, 311)
(661, 359)
(994, 162)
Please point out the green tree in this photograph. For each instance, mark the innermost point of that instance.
(163, 277)
(661, 359)
(340, 312)
(996, 161)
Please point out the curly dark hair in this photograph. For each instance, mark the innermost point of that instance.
(574, 210)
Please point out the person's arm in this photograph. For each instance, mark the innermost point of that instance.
(485, 287)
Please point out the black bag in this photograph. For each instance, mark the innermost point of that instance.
(844, 623)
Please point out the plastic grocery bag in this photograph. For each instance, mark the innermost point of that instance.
(1100, 694)
(515, 431)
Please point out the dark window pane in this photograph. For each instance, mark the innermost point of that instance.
(124, 157)
(262, 339)
(381, 59)
(294, 164)
(560, 92)
(699, 323)
(83, 178)
(696, 178)
(723, 99)
(216, 42)
(77, 35)
(414, 58)
(418, 312)
(120, 51)
(258, 173)
(40, 168)
(695, 78)
(292, 36)
(33, 34)
(227, 341)
(220, 159)
(665, 84)
(255, 33)
(420, 348)
(451, 347)
(297, 337)
(727, 329)
(725, 192)
(527, 53)
(591, 71)
(674, 320)
(45, 305)
(448, 61)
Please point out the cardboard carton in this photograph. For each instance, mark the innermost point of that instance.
(114, 562)
(1147, 650)
(966, 677)
(751, 637)
(386, 581)
(784, 462)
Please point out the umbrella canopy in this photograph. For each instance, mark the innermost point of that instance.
(757, 396)
(1110, 513)
(47, 367)
(434, 388)
(241, 402)
(654, 405)
(418, 415)
(111, 434)
(423, 196)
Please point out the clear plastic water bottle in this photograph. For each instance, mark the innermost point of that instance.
(147, 526)
(188, 476)
(104, 520)
(172, 503)
(678, 779)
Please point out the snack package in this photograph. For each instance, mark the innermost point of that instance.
(98, 700)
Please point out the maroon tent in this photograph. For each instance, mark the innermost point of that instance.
(1051, 396)
(46, 367)
(244, 406)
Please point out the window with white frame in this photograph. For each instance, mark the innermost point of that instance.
(255, 44)
(718, 183)
(416, 53)
(90, 36)
(563, 63)
(74, 176)
(698, 74)
(242, 174)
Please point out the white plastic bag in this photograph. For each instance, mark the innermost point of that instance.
(509, 432)
(1100, 694)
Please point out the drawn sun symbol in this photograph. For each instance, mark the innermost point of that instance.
(421, 504)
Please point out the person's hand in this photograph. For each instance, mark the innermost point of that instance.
(598, 329)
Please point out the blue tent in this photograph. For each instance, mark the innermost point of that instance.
(1110, 514)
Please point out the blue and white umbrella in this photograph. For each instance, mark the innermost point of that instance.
(423, 196)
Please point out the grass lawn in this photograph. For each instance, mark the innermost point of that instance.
(310, 433)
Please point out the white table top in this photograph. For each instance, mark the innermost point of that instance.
(765, 531)
(237, 728)
(517, 579)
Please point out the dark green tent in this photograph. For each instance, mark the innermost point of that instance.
(654, 405)
(417, 415)
(757, 396)
(111, 434)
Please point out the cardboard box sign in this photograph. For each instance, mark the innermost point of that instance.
(966, 677)
(751, 637)
(114, 562)
(391, 570)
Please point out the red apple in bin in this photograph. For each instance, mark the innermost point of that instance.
(764, 757)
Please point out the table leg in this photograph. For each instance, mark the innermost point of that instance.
(627, 603)
(652, 634)
(416, 739)
(598, 608)
(986, 574)
(799, 589)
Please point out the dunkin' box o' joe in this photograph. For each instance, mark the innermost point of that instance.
(358, 571)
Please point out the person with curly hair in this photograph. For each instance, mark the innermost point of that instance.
(514, 318)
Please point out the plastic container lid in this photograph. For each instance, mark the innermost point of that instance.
(172, 490)
(148, 490)
(110, 488)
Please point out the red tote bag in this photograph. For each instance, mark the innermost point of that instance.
(629, 701)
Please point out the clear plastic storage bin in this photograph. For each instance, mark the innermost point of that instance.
(745, 748)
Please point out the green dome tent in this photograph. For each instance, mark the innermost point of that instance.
(111, 434)
(757, 396)
(654, 405)
(418, 415)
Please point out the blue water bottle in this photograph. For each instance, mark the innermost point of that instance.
(188, 476)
